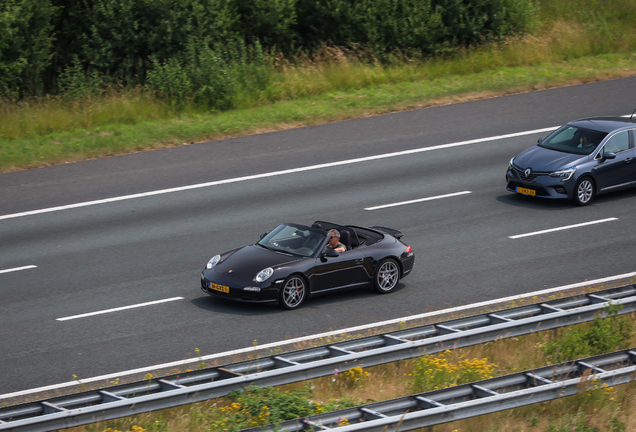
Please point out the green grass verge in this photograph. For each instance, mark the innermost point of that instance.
(111, 138)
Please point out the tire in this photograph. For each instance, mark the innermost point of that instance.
(387, 276)
(584, 191)
(293, 292)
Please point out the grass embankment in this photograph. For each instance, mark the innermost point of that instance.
(594, 408)
(575, 41)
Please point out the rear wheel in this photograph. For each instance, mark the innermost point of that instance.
(293, 292)
(387, 276)
(584, 191)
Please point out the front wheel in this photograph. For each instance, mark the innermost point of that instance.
(293, 292)
(584, 191)
(387, 276)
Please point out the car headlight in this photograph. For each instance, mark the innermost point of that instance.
(213, 261)
(264, 274)
(565, 174)
(511, 163)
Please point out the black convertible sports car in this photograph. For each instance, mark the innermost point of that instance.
(291, 263)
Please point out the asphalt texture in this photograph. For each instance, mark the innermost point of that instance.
(126, 252)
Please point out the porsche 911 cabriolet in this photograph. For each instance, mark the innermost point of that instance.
(292, 262)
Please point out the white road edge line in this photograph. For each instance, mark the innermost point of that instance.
(275, 173)
(418, 200)
(563, 228)
(18, 269)
(118, 309)
(312, 337)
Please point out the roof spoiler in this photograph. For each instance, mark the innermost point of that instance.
(395, 233)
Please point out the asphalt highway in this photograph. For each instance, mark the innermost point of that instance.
(107, 234)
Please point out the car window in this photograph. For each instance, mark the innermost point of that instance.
(618, 142)
(290, 239)
(572, 139)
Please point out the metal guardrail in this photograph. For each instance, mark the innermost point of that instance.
(473, 399)
(189, 387)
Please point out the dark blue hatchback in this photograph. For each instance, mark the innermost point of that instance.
(578, 161)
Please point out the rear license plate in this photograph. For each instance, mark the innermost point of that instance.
(221, 288)
(526, 191)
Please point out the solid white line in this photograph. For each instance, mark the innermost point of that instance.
(18, 269)
(312, 337)
(273, 174)
(119, 309)
(418, 200)
(563, 228)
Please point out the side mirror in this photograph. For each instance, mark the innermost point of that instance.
(540, 140)
(608, 155)
(331, 253)
(263, 236)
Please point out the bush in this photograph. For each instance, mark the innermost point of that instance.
(211, 77)
(76, 83)
(261, 406)
(608, 332)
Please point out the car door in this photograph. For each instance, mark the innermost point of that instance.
(620, 170)
(345, 270)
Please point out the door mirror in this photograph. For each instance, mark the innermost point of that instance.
(331, 253)
(608, 155)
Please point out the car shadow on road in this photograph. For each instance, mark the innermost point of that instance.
(528, 202)
(229, 307)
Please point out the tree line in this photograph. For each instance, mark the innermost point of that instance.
(60, 46)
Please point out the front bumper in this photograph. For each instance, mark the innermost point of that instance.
(539, 183)
(240, 292)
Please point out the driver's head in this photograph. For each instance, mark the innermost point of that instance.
(334, 237)
(585, 140)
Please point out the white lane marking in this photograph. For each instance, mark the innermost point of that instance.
(18, 269)
(273, 174)
(418, 200)
(118, 309)
(312, 337)
(563, 228)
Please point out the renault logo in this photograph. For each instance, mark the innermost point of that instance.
(527, 172)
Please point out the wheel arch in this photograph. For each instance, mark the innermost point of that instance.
(398, 261)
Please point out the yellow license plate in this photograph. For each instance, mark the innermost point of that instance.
(218, 287)
(526, 191)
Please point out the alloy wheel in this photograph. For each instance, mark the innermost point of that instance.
(293, 292)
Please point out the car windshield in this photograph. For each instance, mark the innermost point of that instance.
(574, 140)
(294, 240)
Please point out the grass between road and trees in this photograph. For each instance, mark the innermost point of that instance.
(593, 408)
(566, 42)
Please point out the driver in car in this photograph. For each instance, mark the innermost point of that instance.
(334, 242)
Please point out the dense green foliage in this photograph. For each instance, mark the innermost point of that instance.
(47, 45)
(26, 45)
(423, 26)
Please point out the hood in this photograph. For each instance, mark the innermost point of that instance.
(247, 261)
(544, 160)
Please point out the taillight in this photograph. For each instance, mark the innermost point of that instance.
(408, 249)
